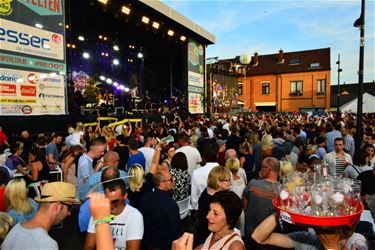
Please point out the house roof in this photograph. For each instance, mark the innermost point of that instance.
(352, 90)
(299, 61)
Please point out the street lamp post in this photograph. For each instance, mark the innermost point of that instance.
(360, 23)
(339, 70)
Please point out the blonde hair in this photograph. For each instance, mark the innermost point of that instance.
(267, 142)
(6, 223)
(285, 168)
(136, 177)
(16, 198)
(232, 164)
(314, 148)
(216, 174)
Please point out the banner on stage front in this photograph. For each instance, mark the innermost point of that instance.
(31, 93)
(195, 103)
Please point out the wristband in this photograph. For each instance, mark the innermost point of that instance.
(106, 219)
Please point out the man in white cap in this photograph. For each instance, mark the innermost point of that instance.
(55, 204)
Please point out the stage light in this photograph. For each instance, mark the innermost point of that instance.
(66, 26)
(156, 25)
(109, 81)
(122, 87)
(81, 38)
(125, 10)
(183, 38)
(60, 24)
(126, 89)
(38, 25)
(103, 1)
(170, 32)
(106, 54)
(140, 55)
(100, 36)
(115, 84)
(105, 38)
(145, 19)
(102, 53)
(73, 46)
(102, 78)
(115, 62)
(68, 45)
(86, 55)
(116, 48)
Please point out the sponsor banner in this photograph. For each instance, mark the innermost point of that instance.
(195, 79)
(44, 7)
(29, 40)
(195, 103)
(26, 62)
(31, 93)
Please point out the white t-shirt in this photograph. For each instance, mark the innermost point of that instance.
(119, 128)
(192, 155)
(148, 154)
(128, 225)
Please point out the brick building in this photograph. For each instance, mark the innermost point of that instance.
(282, 82)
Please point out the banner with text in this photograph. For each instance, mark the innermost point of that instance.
(32, 58)
(195, 77)
(30, 93)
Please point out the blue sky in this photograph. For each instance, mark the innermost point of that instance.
(246, 26)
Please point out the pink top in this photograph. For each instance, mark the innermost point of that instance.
(219, 244)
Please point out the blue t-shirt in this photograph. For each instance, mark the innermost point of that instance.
(23, 217)
(52, 149)
(12, 162)
(138, 158)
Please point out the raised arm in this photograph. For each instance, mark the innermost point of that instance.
(156, 158)
(263, 234)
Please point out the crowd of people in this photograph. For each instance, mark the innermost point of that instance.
(131, 181)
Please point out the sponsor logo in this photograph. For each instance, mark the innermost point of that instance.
(9, 77)
(26, 39)
(286, 217)
(44, 7)
(13, 36)
(7, 89)
(32, 78)
(44, 96)
(27, 109)
(43, 87)
(28, 90)
(5, 7)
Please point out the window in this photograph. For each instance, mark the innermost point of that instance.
(321, 88)
(296, 88)
(294, 62)
(240, 88)
(265, 88)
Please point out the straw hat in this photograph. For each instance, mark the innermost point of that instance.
(58, 192)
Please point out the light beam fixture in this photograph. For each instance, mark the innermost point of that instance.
(170, 33)
(155, 25)
(145, 19)
(125, 10)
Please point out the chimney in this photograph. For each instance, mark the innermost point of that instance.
(281, 56)
(256, 59)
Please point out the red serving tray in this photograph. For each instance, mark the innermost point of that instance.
(323, 221)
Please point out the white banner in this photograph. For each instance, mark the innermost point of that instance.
(31, 93)
(195, 79)
(195, 103)
(29, 40)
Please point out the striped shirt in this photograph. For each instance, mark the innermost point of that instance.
(85, 169)
(340, 166)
